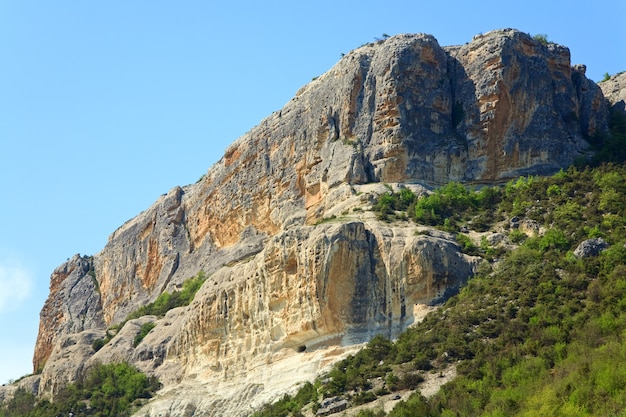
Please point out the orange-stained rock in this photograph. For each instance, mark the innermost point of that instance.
(287, 293)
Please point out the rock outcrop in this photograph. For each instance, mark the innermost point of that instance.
(287, 292)
(614, 89)
(590, 247)
(73, 305)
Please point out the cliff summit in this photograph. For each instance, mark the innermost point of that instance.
(299, 272)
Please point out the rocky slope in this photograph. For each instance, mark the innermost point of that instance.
(289, 293)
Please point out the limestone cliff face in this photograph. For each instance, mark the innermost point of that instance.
(614, 90)
(402, 110)
(343, 280)
(525, 109)
(72, 306)
(286, 294)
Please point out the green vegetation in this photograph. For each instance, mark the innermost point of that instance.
(99, 343)
(113, 390)
(453, 204)
(143, 332)
(167, 301)
(329, 219)
(291, 406)
(540, 333)
(164, 303)
(612, 148)
(447, 207)
(542, 38)
(392, 205)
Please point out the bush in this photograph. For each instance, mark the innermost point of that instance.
(410, 381)
(540, 332)
(145, 329)
(517, 236)
(99, 343)
(363, 397)
(554, 239)
(466, 244)
(386, 204)
(167, 301)
(542, 38)
(106, 391)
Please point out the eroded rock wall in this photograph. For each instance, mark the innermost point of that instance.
(73, 305)
(402, 110)
(614, 90)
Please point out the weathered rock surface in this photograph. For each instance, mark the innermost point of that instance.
(67, 360)
(590, 247)
(73, 305)
(614, 89)
(287, 295)
(29, 384)
(511, 129)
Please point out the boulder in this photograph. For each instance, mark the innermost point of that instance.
(590, 247)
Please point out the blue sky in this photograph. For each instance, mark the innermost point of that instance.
(106, 105)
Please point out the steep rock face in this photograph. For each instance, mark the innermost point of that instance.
(614, 90)
(385, 112)
(403, 110)
(511, 128)
(285, 313)
(140, 258)
(294, 307)
(66, 362)
(308, 283)
(72, 306)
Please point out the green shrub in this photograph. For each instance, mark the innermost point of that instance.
(542, 38)
(554, 239)
(167, 301)
(386, 204)
(363, 397)
(145, 329)
(410, 381)
(106, 391)
(291, 406)
(541, 333)
(517, 236)
(99, 343)
(466, 244)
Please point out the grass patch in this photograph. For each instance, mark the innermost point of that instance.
(164, 303)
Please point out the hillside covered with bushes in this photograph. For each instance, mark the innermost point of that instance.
(538, 331)
(113, 390)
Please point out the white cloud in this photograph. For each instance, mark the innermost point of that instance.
(15, 285)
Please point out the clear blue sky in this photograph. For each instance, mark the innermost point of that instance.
(106, 105)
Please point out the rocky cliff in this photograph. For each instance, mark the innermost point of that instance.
(614, 90)
(287, 292)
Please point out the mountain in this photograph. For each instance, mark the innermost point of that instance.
(298, 271)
